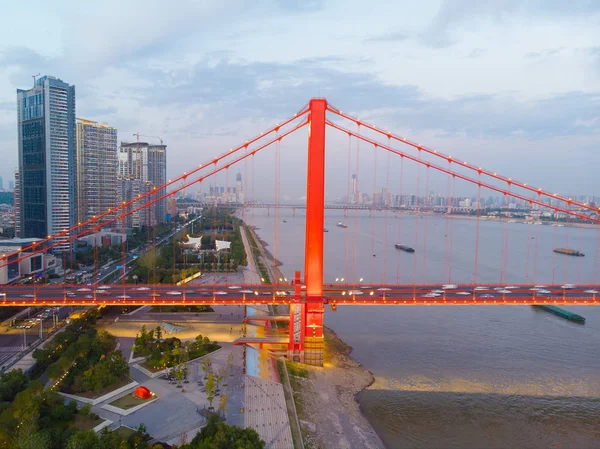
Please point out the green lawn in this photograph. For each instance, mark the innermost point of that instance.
(86, 423)
(96, 394)
(124, 432)
(129, 401)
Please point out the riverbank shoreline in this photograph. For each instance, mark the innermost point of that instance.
(329, 413)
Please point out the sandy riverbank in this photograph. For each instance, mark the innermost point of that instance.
(329, 414)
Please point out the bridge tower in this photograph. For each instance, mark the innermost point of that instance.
(306, 332)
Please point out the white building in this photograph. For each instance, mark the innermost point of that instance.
(96, 168)
(31, 265)
(147, 163)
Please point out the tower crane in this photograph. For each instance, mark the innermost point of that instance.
(138, 135)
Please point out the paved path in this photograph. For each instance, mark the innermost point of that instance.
(266, 412)
(175, 412)
(251, 274)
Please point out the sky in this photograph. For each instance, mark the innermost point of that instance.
(509, 85)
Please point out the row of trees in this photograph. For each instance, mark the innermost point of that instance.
(169, 352)
(90, 363)
(62, 342)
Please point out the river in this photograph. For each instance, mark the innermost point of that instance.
(461, 377)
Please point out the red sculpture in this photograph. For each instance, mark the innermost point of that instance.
(142, 393)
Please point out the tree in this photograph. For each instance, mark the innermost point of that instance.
(158, 332)
(218, 435)
(178, 372)
(83, 440)
(210, 389)
(85, 410)
(223, 403)
(206, 365)
(141, 428)
(230, 360)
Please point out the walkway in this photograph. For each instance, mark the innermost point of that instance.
(266, 412)
(251, 274)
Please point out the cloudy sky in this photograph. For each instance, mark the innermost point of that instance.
(512, 85)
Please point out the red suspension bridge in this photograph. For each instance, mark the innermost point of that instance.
(308, 294)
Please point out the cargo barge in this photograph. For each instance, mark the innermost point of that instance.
(569, 252)
(562, 313)
(408, 249)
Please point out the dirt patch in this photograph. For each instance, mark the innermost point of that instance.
(329, 415)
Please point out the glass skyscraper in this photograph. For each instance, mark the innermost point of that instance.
(47, 158)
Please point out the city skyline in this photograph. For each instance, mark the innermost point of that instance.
(500, 101)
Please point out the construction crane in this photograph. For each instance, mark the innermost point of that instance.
(138, 135)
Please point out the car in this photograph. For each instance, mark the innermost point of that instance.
(441, 292)
(142, 289)
(568, 286)
(28, 295)
(102, 292)
(487, 295)
(449, 286)
(105, 287)
(248, 292)
(431, 295)
(592, 292)
(154, 294)
(70, 294)
(481, 288)
(355, 292)
(174, 293)
(463, 293)
(266, 293)
(89, 296)
(544, 292)
(2, 294)
(540, 286)
(383, 289)
(220, 293)
(234, 287)
(123, 297)
(504, 291)
(84, 289)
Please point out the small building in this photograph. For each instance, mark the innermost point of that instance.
(142, 393)
(28, 266)
(103, 238)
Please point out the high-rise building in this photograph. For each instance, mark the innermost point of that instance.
(147, 163)
(354, 189)
(128, 190)
(1, 183)
(239, 191)
(96, 168)
(47, 159)
(11, 185)
(17, 205)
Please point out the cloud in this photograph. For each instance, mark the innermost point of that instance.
(233, 90)
(453, 14)
(301, 5)
(544, 53)
(394, 36)
(476, 53)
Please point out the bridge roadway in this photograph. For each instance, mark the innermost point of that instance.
(338, 294)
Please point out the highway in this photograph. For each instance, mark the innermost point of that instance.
(339, 294)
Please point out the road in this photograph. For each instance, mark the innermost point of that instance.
(433, 294)
(13, 339)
